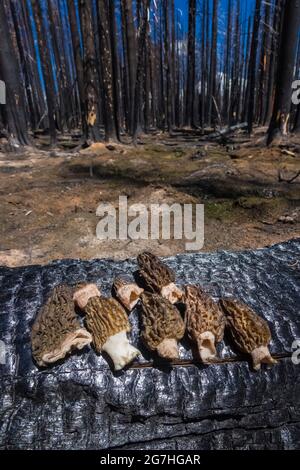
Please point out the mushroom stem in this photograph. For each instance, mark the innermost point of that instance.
(168, 349)
(129, 295)
(206, 346)
(76, 340)
(120, 350)
(84, 294)
(172, 293)
(260, 356)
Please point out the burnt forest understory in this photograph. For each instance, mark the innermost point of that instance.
(107, 98)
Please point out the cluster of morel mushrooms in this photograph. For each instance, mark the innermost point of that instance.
(57, 330)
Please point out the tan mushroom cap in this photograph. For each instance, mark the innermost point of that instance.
(205, 321)
(163, 326)
(250, 333)
(105, 318)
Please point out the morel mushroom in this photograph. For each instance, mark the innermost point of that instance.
(56, 330)
(158, 278)
(205, 322)
(163, 326)
(107, 321)
(127, 292)
(250, 333)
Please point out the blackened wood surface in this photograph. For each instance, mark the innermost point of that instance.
(81, 404)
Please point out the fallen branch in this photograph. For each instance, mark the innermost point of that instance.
(226, 131)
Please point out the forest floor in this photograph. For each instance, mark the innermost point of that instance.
(49, 197)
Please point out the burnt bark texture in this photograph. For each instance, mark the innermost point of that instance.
(107, 71)
(280, 122)
(190, 82)
(252, 71)
(77, 403)
(13, 112)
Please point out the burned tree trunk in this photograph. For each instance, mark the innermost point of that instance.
(279, 126)
(13, 112)
(168, 94)
(297, 121)
(90, 78)
(190, 81)
(106, 58)
(75, 35)
(46, 61)
(140, 68)
(213, 66)
(130, 56)
(252, 66)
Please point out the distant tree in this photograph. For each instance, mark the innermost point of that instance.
(107, 71)
(47, 65)
(279, 126)
(297, 121)
(212, 94)
(252, 71)
(90, 77)
(140, 74)
(130, 55)
(13, 112)
(190, 81)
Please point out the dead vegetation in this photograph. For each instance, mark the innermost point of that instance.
(49, 198)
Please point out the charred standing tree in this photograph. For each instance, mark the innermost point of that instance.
(13, 112)
(46, 62)
(203, 68)
(275, 45)
(297, 121)
(212, 94)
(279, 126)
(106, 58)
(252, 66)
(140, 68)
(90, 78)
(227, 70)
(75, 35)
(130, 54)
(190, 81)
(168, 94)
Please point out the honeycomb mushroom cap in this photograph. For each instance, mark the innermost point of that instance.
(248, 330)
(202, 314)
(161, 322)
(205, 321)
(105, 318)
(154, 274)
(56, 330)
(126, 291)
(250, 333)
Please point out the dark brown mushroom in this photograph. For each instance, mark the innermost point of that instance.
(250, 333)
(157, 277)
(163, 326)
(205, 322)
(56, 330)
(108, 322)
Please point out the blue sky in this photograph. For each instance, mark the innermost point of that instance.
(223, 5)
